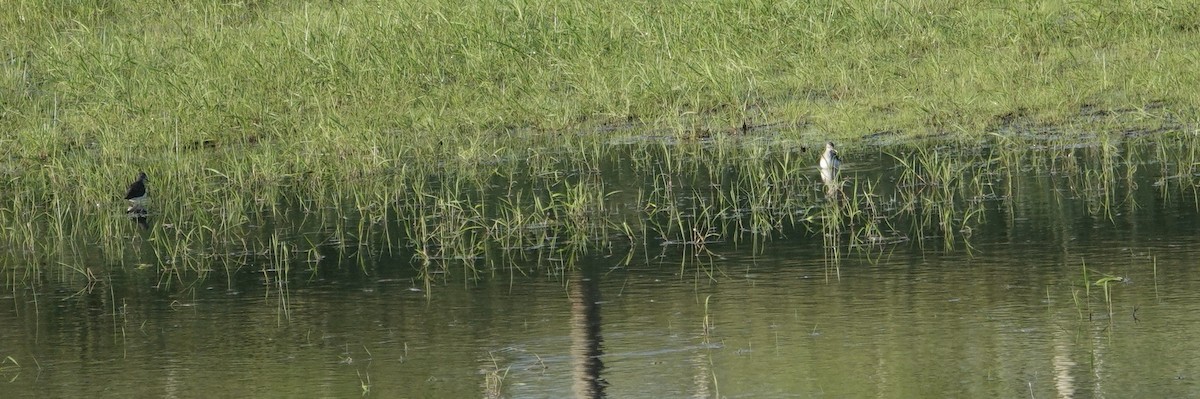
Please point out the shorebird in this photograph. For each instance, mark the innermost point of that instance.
(830, 160)
(830, 163)
(137, 193)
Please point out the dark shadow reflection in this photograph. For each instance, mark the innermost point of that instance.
(139, 215)
(586, 342)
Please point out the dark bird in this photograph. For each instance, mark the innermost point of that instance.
(137, 192)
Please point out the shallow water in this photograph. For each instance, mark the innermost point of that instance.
(1002, 310)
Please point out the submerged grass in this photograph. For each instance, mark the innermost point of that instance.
(467, 223)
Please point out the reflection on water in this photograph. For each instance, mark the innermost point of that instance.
(977, 275)
(1064, 383)
(586, 341)
(141, 217)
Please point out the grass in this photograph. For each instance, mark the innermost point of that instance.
(482, 220)
(166, 76)
(301, 133)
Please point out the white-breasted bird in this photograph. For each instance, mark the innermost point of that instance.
(830, 163)
(137, 194)
(830, 160)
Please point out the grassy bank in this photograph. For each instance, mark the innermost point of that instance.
(161, 75)
(377, 110)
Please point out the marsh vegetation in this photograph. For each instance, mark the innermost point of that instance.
(452, 132)
(451, 146)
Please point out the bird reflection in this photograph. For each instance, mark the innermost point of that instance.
(141, 219)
